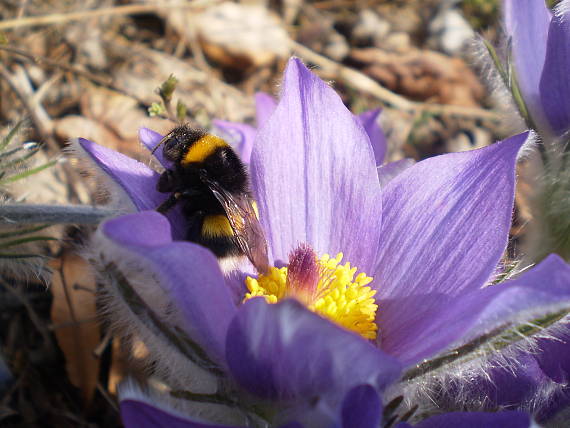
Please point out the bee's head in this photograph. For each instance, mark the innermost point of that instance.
(176, 143)
(173, 148)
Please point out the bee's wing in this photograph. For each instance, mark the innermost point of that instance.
(243, 220)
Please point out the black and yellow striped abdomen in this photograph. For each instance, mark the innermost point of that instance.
(216, 226)
(217, 234)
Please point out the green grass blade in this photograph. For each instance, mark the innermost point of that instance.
(9, 153)
(6, 140)
(23, 231)
(21, 160)
(26, 241)
(22, 256)
(498, 64)
(27, 173)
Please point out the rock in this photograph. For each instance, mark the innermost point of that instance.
(397, 42)
(337, 47)
(88, 43)
(291, 10)
(450, 32)
(370, 29)
(241, 36)
(403, 15)
(423, 75)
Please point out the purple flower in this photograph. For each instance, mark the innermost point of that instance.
(541, 53)
(475, 420)
(265, 106)
(361, 410)
(537, 382)
(431, 239)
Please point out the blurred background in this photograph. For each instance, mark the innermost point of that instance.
(91, 69)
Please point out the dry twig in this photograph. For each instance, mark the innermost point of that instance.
(132, 9)
(19, 83)
(42, 60)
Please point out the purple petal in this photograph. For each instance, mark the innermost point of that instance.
(368, 120)
(555, 85)
(190, 274)
(390, 170)
(446, 222)
(527, 21)
(138, 414)
(509, 387)
(361, 408)
(145, 229)
(441, 322)
(284, 351)
(525, 385)
(314, 174)
(265, 105)
(135, 178)
(506, 387)
(150, 139)
(241, 137)
(475, 420)
(553, 356)
(520, 385)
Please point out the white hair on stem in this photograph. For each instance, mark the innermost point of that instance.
(164, 359)
(499, 95)
(562, 9)
(455, 386)
(182, 408)
(107, 188)
(529, 146)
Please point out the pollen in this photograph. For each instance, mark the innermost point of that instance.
(325, 286)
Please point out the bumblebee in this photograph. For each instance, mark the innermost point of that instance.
(212, 184)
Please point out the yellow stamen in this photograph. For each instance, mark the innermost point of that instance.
(339, 296)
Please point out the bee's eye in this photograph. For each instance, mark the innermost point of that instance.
(172, 148)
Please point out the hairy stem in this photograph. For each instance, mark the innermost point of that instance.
(53, 214)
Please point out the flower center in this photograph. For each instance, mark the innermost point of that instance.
(324, 286)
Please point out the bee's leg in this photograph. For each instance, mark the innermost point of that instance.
(174, 198)
(189, 193)
(169, 203)
(166, 182)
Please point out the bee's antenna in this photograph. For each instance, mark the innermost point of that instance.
(160, 143)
